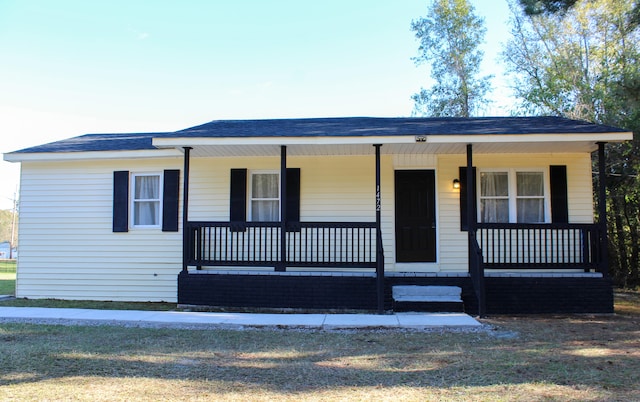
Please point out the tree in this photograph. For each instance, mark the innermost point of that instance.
(6, 225)
(449, 39)
(536, 7)
(585, 64)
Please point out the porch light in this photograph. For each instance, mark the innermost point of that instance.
(456, 184)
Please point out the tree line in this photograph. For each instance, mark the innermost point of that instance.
(6, 224)
(573, 58)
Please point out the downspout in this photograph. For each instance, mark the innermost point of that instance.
(602, 210)
(379, 249)
(185, 211)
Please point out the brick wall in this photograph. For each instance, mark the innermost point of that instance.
(505, 295)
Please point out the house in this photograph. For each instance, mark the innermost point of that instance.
(321, 213)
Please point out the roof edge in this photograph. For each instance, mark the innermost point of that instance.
(82, 155)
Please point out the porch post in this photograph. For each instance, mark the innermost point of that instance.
(602, 210)
(471, 218)
(476, 269)
(379, 249)
(282, 265)
(185, 210)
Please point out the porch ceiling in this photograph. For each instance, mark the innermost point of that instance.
(207, 150)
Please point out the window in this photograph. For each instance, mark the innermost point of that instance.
(513, 196)
(494, 197)
(264, 198)
(530, 197)
(146, 204)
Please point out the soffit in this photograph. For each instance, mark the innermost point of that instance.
(388, 149)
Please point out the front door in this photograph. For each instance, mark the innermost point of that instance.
(415, 216)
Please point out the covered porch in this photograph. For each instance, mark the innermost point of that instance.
(292, 263)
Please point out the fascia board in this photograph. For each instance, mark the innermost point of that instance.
(54, 156)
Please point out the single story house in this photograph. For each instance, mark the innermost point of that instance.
(322, 213)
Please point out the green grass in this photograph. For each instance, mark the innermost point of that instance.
(564, 357)
(8, 266)
(7, 277)
(7, 284)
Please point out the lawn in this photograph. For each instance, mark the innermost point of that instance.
(7, 277)
(586, 358)
(7, 266)
(7, 283)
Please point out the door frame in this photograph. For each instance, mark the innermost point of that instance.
(419, 266)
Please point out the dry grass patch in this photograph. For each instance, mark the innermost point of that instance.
(585, 358)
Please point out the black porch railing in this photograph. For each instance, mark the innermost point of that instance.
(308, 244)
(540, 246)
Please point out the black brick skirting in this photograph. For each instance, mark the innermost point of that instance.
(549, 295)
(505, 295)
(278, 291)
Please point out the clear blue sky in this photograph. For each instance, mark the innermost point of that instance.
(75, 67)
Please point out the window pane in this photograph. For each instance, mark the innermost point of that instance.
(530, 184)
(146, 213)
(530, 210)
(147, 187)
(494, 184)
(494, 210)
(265, 185)
(265, 211)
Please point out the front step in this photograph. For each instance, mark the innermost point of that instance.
(427, 298)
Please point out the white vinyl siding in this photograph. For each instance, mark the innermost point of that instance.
(68, 250)
(67, 247)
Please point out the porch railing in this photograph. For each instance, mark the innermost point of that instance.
(558, 246)
(308, 244)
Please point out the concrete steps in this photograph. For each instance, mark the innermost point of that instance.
(427, 298)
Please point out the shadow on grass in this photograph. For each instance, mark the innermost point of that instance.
(598, 353)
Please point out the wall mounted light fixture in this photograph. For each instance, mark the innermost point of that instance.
(456, 184)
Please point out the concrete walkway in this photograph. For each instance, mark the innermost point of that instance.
(241, 320)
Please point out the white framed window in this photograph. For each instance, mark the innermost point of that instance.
(146, 200)
(514, 195)
(264, 196)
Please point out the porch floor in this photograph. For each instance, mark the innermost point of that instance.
(415, 321)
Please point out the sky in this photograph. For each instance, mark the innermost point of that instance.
(72, 67)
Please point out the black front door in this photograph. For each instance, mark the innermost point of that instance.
(415, 216)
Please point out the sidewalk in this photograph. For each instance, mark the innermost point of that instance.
(240, 320)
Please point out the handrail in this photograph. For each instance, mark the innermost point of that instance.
(540, 246)
(308, 244)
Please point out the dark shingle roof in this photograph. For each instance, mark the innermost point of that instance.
(330, 127)
(98, 142)
(377, 126)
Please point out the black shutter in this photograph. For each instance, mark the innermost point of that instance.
(238, 199)
(559, 198)
(170, 196)
(462, 172)
(121, 201)
(293, 199)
